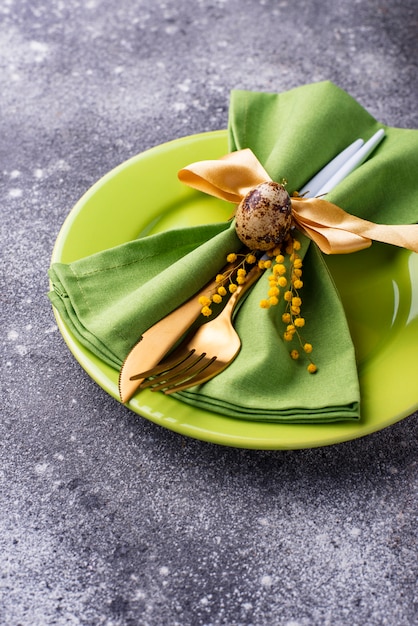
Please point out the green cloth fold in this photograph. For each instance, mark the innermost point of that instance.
(109, 299)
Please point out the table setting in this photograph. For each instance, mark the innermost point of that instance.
(153, 275)
(209, 313)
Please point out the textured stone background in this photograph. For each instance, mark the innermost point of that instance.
(107, 519)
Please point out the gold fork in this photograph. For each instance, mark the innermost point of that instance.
(204, 354)
(158, 340)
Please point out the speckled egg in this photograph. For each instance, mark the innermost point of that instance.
(264, 217)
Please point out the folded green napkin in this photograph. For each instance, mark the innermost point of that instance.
(109, 299)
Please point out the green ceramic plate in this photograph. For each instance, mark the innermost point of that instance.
(379, 289)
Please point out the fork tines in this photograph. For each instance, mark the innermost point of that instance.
(182, 370)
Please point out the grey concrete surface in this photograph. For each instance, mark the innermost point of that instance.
(107, 519)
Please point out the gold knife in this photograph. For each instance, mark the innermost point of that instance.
(157, 341)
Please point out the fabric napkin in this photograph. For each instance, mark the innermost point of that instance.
(109, 299)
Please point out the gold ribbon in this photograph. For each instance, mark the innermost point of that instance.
(333, 230)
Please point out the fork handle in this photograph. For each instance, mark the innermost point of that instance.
(250, 279)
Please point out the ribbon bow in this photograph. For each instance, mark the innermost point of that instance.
(333, 230)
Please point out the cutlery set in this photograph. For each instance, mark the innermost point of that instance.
(207, 351)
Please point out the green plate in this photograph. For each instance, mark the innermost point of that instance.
(379, 289)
